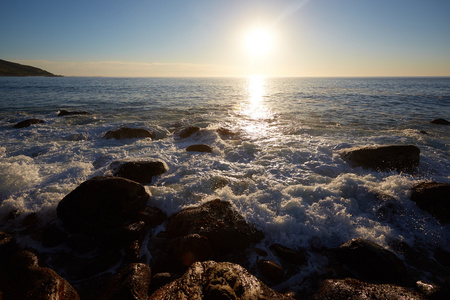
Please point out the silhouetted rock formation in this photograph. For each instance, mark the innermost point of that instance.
(440, 122)
(28, 123)
(69, 113)
(199, 148)
(141, 171)
(129, 133)
(433, 197)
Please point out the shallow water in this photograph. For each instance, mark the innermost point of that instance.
(283, 171)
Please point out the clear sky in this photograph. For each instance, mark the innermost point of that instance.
(206, 37)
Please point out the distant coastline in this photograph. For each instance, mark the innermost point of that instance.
(8, 68)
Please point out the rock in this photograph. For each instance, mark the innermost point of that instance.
(119, 237)
(52, 235)
(199, 148)
(370, 261)
(212, 280)
(271, 270)
(30, 281)
(28, 123)
(69, 113)
(226, 133)
(8, 245)
(397, 157)
(161, 279)
(289, 255)
(187, 132)
(80, 243)
(129, 133)
(340, 289)
(152, 216)
(217, 221)
(192, 248)
(141, 171)
(131, 283)
(433, 197)
(101, 202)
(432, 291)
(101, 263)
(440, 122)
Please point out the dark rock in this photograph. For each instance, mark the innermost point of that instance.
(440, 122)
(8, 245)
(69, 113)
(187, 132)
(132, 252)
(199, 148)
(30, 281)
(442, 256)
(271, 270)
(80, 243)
(226, 133)
(28, 123)
(98, 264)
(101, 202)
(340, 289)
(433, 197)
(397, 157)
(212, 280)
(289, 255)
(129, 133)
(131, 283)
(141, 171)
(372, 262)
(192, 248)
(119, 237)
(216, 220)
(423, 132)
(52, 235)
(161, 279)
(151, 216)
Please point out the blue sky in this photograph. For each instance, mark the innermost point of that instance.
(204, 38)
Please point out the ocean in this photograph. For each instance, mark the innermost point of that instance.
(282, 171)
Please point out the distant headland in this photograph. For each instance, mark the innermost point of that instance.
(8, 68)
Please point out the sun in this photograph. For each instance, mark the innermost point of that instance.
(258, 41)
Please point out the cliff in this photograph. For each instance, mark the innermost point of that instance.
(8, 68)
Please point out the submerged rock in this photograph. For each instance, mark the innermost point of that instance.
(340, 289)
(28, 123)
(370, 261)
(102, 202)
(216, 220)
(129, 133)
(199, 148)
(69, 113)
(213, 280)
(440, 122)
(187, 132)
(396, 157)
(433, 197)
(271, 270)
(141, 171)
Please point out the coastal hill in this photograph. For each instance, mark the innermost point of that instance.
(8, 68)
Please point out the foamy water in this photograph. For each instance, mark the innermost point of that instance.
(282, 171)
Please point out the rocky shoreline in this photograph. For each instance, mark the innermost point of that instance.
(106, 243)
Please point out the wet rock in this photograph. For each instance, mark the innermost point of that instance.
(141, 171)
(433, 197)
(161, 279)
(289, 255)
(271, 270)
(151, 216)
(396, 157)
(192, 248)
(370, 261)
(218, 222)
(131, 283)
(129, 133)
(101, 202)
(80, 243)
(30, 281)
(98, 264)
(53, 235)
(70, 113)
(28, 123)
(212, 280)
(118, 237)
(187, 132)
(199, 148)
(440, 122)
(8, 245)
(337, 289)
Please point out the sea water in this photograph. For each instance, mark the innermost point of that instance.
(282, 171)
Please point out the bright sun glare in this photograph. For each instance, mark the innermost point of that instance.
(259, 41)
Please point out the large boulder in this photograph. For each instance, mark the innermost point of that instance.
(28, 123)
(395, 157)
(370, 261)
(101, 202)
(213, 280)
(433, 197)
(131, 283)
(188, 131)
(216, 220)
(440, 122)
(129, 133)
(141, 171)
(199, 148)
(340, 289)
(63, 113)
